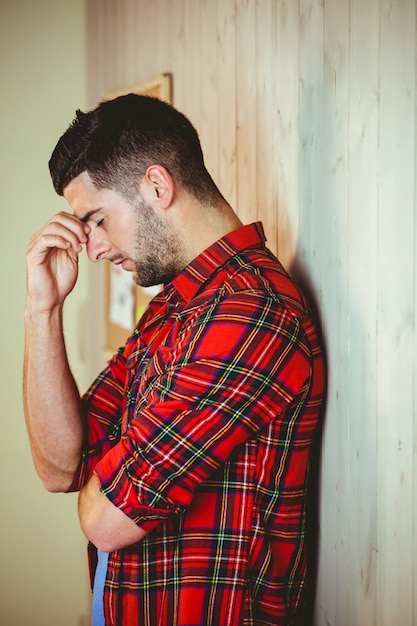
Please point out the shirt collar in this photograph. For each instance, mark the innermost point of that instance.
(192, 277)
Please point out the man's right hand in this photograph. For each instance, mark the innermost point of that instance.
(51, 397)
(52, 261)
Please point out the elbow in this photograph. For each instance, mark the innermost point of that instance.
(94, 533)
(106, 526)
(109, 539)
(54, 482)
(102, 543)
(54, 478)
(53, 487)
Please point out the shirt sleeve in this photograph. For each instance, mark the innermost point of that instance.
(102, 406)
(218, 379)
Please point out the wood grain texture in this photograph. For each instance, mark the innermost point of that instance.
(306, 114)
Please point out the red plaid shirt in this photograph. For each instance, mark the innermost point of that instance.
(200, 429)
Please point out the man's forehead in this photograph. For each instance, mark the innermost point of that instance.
(81, 195)
(85, 199)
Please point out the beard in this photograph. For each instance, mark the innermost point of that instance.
(158, 255)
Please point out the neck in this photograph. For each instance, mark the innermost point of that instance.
(199, 226)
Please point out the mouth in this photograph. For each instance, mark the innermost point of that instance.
(117, 260)
(124, 263)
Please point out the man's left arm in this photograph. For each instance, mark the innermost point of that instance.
(247, 365)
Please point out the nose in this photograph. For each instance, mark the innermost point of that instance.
(97, 247)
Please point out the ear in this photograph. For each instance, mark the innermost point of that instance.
(159, 185)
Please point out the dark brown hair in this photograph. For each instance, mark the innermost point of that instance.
(118, 140)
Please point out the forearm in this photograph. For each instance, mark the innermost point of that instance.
(51, 400)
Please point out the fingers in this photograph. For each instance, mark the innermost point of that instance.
(61, 231)
(52, 261)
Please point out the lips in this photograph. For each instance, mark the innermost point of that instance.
(123, 262)
(125, 265)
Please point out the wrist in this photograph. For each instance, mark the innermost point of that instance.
(34, 311)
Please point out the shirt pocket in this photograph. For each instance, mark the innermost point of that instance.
(156, 367)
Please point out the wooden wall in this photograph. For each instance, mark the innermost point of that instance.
(306, 113)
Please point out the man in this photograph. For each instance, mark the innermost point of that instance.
(191, 449)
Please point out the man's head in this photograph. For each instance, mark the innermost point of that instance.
(118, 140)
(133, 170)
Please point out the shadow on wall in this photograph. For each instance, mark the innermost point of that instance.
(331, 272)
(305, 269)
(301, 276)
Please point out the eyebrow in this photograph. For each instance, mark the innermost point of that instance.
(88, 215)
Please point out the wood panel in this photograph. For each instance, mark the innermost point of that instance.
(286, 103)
(362, 288)
(396, 329)
(226, 70)
(246, 96)
(267, 196)
(306, 113)
(334, 195)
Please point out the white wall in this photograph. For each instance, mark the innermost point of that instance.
(43, 575)
(358, 232)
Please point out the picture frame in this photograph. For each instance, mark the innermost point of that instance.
(125, 302)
